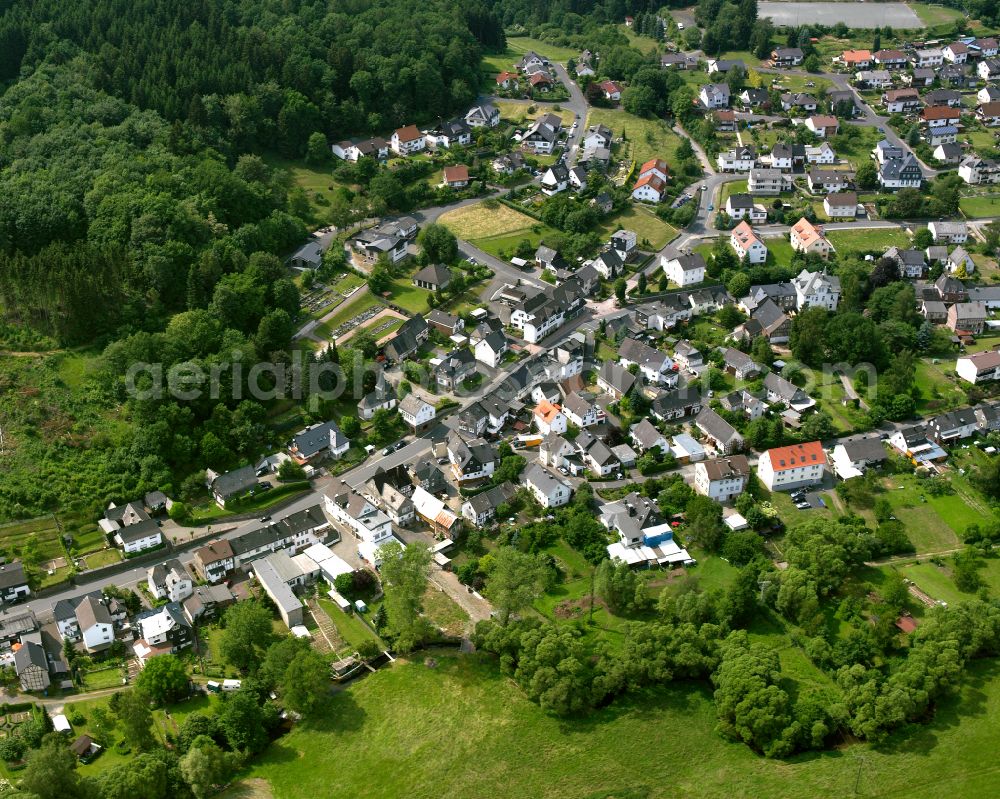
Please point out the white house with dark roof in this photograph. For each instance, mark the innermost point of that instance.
(317, 442)
(684, 270)
(417, 413)
(722, 479)
(169, 581)
(228, 486)
(546, 487)
(491, 349)
(13, 582)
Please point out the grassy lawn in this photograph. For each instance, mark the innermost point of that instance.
(937, 391)
(504, 246)
(856, 145)
(780, 249)
(408, 296)
(553, 52)
(745, 56)
(975, 207)
(464, 711)
(444, 612)
(643, 44)
(933, 15)
(924, 526)
(478, 221)
(862, 241)
(647, 225)
(645, 138)
(103, 557)
(351, 628)
(317, 182)
(518, 112)
(104, 678)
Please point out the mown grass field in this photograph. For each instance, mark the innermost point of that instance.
(518, 112)
(645, 138)
(553, 52)
(977, 207)
(478, 221)
(461, 729)
(934, 15)
(863, 241)
(647, 225)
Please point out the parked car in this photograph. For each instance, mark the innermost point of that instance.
(265, 518)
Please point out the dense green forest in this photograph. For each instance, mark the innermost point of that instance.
(265, 71)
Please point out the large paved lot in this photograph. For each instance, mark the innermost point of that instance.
(856, 15)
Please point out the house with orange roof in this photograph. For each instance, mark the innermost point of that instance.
(747, 244)
(808, 238)
(857, 59)
(407, 140)
(456, 177)
(612, 91)
(649, 188)
(938, 116)
(507, 80)
(549, 418)
(655, 166)
(788, 468)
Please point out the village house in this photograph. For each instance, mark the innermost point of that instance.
(980, 367)
(956, 52)
(739, 159)
(481, 509)
(966, 318)
(901, 101)
(382, 397)
(786, 57)
(740, 206)
(809, 239)
(417, 413)
(455, 368)
(470, 460)
(408, 140)
(684, 270)
(747, 244)
(852, 458)
(795, 466)
(856, 59)
(646, 437)
(486, 115)
(816, 290)
(722, 479)
(767, 181)
(823, 125)
(169, 581)
(950, 232)
(900, 173)
(841, 204)
(455, 177)
(724, 437)
(354, 150)
(655, 366)
(873, 79)
(13, 583)
(317, 442)
(890, 59)
(615, 380)
(547, 488)
(714, 95)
